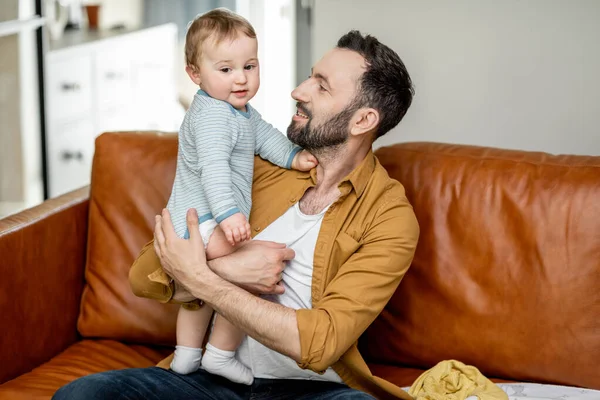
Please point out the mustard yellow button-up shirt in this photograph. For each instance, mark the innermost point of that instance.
(365, 246)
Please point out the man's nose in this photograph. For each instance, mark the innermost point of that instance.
(301, 93)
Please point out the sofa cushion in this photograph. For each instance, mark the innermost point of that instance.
(82, 358)
(132, 175)
(506, 275)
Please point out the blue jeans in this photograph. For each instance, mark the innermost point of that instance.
(157, 383)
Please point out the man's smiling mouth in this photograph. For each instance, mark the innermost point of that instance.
(299, 114)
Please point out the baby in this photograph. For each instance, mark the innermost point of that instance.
(218, 139)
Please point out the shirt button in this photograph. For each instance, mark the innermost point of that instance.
(257, 229)
(293, 200)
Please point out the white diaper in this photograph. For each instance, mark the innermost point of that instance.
(207, 228)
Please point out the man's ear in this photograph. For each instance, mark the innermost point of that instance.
(193, 73)
(365, 120)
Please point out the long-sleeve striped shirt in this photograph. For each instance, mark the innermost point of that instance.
(215, 160)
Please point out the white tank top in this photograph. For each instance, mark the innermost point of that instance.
(299, 232)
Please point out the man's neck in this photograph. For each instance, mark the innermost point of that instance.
(333, 167)
(336, 164)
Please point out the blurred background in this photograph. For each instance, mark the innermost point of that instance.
(518, 74)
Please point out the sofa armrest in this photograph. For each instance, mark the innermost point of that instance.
(42, 261)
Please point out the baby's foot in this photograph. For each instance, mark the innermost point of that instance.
(223, 363)
(186, 360)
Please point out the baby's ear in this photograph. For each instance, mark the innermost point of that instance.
(193, 73)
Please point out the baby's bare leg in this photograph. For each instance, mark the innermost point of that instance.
(218, 246)
(225, 335)
(191, 329)
(219, 357)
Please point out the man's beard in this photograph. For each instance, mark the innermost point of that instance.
(331, 134)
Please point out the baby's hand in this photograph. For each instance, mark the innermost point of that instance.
(304, 161)
(236, 228)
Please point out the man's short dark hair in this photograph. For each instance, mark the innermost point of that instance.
(385, 85)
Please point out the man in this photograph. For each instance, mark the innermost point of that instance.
(350, 234)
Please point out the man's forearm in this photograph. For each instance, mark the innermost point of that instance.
(219, 267)
(273, 325)
(181, 294)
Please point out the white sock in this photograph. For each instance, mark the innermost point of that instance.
(223, 363)
(186, 360)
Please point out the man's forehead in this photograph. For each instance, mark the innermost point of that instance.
(341, 66)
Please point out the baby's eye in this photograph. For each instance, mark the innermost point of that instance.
(225, 70)
(249, 67)
(322, 89)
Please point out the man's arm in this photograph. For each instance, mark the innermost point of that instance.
(361, 288)
(271, 324)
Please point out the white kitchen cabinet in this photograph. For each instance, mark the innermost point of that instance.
(105, 81)
(70, 154)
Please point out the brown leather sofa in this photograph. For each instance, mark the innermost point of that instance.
(506, 275)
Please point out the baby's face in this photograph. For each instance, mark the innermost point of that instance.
(229, 70)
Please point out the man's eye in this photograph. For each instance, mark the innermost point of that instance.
(225, 70)
(249, 67)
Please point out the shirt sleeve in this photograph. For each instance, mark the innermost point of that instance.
(361, 288)
(215, 135)
(272, 145)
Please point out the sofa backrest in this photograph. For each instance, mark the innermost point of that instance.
(506, 275)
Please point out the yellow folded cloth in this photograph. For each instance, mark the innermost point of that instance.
(453, 380)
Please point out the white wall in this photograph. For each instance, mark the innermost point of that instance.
(511, 73)
(274, 23)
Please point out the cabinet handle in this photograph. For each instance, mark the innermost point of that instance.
(66, 86)
(71, 155)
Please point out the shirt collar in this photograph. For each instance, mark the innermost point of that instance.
(358, 178)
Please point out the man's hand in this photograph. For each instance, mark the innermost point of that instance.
(257, 266)
(183, 260)
(304, 161)
(236, 228)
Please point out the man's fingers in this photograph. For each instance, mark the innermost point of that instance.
(167, 227)
(191, 219)
(159, 237)
(279, 289)
(288, 254)
(155, 244)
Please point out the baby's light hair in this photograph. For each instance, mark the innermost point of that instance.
(218, 24)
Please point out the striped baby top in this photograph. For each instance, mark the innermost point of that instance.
(215, 160)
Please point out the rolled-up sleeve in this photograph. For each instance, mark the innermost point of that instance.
(361, 288)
